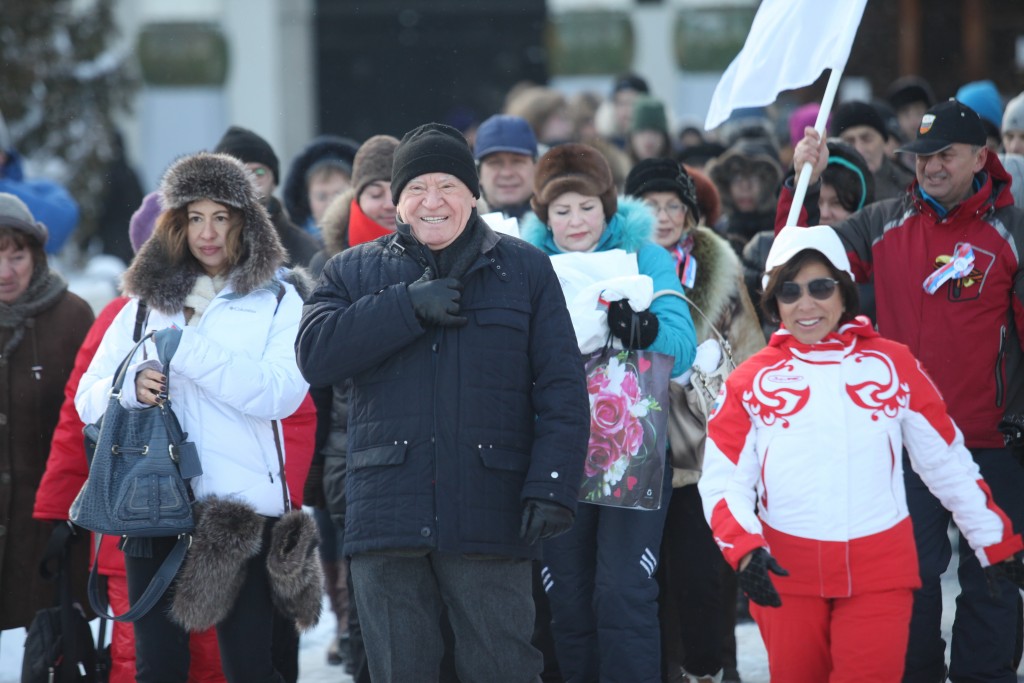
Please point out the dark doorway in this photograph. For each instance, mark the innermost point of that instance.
(386, 66)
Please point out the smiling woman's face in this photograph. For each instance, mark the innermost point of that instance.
(809, 318)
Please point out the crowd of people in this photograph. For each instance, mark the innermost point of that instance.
(380, 346)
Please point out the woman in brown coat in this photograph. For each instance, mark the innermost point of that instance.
(42, 325)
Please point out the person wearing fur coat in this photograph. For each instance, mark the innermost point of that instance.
(600, 575)
(696, 602)
(212, 281)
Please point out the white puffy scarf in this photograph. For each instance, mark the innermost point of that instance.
(203, 292)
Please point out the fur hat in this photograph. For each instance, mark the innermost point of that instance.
(708, 199)
(373, 162)
(143, 221)
(663, 175)
(293, 565)
(224, 179)
(246, 145)
(572, 167)
(433, 148)
(228, 534)
(15, 214)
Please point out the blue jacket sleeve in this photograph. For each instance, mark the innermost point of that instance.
(676, 336)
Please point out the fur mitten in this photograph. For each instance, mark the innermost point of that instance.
(296, 577)
(228, 533)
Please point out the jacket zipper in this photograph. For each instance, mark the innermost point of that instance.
(1000, 358)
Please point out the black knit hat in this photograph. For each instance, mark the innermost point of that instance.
(433, 148)
(243, 144)
(856, 113)
(663, 175)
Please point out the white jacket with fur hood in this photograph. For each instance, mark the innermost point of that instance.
(234, 371)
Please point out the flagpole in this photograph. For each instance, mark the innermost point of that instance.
(819, 125)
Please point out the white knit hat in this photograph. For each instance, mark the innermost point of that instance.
(1013, 115)
(793, 239)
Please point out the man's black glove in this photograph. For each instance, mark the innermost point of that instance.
(755, 581)
(1011, 569)
(543, 519)
(436, 302)
(313, 490)
(620, 322)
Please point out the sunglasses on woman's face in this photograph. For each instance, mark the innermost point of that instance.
(821, 289)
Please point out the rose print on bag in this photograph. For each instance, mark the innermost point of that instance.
(623, 434)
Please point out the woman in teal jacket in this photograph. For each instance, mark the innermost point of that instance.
(599, 576)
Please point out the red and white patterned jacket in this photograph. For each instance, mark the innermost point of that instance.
(804, 457)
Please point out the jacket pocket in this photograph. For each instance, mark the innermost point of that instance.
(503, 459)
(505, 317)
(378, 456)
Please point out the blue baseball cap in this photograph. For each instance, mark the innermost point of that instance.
(505, 133)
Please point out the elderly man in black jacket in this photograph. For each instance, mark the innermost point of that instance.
(468, 420)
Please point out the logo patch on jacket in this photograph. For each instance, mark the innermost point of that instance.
(968, 287)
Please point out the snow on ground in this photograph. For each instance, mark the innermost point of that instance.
(313, 667)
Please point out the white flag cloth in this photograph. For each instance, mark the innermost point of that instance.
(790, 43)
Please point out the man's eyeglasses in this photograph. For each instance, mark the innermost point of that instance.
(821, 289)
(672, 209)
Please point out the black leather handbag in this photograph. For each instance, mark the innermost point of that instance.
(136, 486)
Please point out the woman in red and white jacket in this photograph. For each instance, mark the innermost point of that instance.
(803, 475)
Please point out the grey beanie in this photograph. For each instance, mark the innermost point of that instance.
(1013, 115)
(14, 214)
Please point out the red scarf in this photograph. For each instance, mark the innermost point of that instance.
(362, 228)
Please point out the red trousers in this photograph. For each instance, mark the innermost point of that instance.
(837, 640)
(205, 662)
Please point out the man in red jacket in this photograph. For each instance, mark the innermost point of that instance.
(946, 262)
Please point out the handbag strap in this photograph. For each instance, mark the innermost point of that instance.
(156, 588)
(275, 425)
(726, 346)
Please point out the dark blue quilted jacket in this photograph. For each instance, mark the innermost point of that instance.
(450, 428)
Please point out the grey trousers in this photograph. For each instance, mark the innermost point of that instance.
(490, 607)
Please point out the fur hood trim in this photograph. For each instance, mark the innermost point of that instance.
(718, 277)
(228, 534)
(225, 180)
(334, 222)
(630, 229)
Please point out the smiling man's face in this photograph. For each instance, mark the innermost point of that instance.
(437, 207)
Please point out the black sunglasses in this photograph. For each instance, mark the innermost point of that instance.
(821, 288)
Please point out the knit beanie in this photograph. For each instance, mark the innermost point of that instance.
(433, 148)
(663, 175)
(1013, 117)
(14, 214)
(373, 162)
(246, 145)
(572, 167)
(143, 221)
(649, 114)
(984, 98)
(857, 113)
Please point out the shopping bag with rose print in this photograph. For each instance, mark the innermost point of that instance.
(625, 462)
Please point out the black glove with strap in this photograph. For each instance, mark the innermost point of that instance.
(436, 302)
(543, 519)
(621, 323)
(1011, 569)
(755, 581)
(313, 490)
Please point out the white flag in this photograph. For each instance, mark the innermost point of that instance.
(790, 43)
